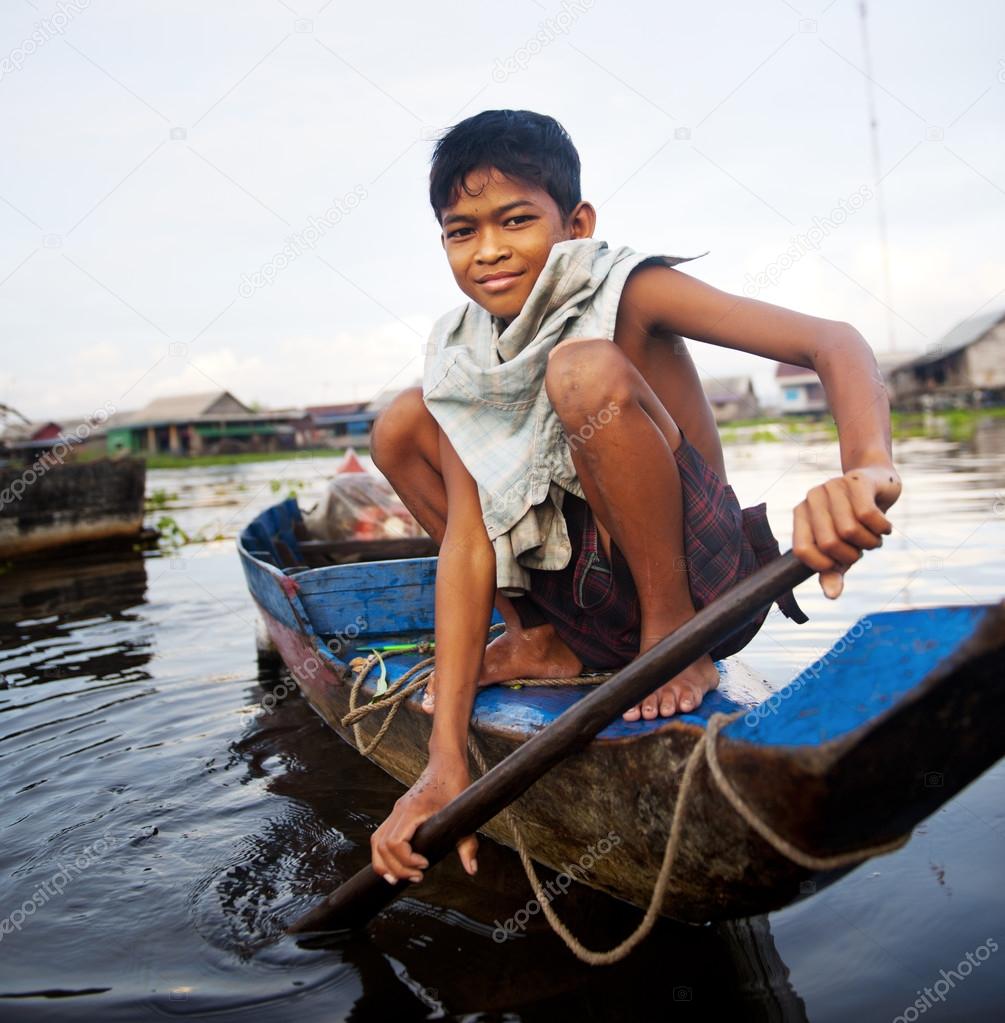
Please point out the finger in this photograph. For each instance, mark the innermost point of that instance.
(467, 849)
(383, 861)
(832, 583)
(400, 859)
(863, 502)
(393, 867)
(377, 860)
(824, 535)
(846, 523)
(803, 545)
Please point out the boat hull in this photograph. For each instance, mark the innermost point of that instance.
(838, 764)
(75, 503)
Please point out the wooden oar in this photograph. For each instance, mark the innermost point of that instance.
(366, 893)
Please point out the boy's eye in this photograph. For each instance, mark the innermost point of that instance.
(456, 233)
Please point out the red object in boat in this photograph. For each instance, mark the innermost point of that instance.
(350, 463)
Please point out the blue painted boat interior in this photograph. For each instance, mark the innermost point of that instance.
(872, 667)
(528, 709)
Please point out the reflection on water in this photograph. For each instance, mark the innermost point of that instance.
(158, 825)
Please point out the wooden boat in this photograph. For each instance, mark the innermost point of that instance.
(898, 717)
(47, 508)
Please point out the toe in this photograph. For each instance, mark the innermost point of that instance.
(650, 708)
(632, 714)
(689, 700)
(668, 703)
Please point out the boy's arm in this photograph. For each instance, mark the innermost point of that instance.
(843, 516)
(465, 587)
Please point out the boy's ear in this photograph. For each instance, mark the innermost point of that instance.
(583, 220)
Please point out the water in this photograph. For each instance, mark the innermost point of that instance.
(160, 825)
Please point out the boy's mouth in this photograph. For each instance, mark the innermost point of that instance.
(498, 282)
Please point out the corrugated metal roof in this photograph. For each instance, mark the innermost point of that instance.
(345, 408)
(183, 406)
(721, 389)
(22, 432)
(961, 336)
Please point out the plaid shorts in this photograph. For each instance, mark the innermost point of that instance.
(593, 604)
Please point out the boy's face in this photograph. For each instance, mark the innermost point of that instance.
(506, 229)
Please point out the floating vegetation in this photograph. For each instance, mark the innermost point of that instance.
(171, 537)
(160, 498)
(295, 487)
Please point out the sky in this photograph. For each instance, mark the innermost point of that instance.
(158, 157)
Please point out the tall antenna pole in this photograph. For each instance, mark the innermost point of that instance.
(884, 247)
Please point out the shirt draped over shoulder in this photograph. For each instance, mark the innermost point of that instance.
(483, 382)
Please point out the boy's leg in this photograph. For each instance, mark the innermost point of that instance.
(629, 475)
(405, 446)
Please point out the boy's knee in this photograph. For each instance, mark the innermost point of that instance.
(586, 373)
(398, 427)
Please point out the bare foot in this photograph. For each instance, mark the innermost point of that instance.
(520, 653)
(683, 693)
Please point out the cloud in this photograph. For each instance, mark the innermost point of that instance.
(348, 365)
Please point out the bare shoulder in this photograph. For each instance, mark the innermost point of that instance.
(652, 288)
(642, 296)
(644, 299)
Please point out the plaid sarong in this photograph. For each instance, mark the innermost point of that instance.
(592, 602)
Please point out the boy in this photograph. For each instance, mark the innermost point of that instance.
(579, 483)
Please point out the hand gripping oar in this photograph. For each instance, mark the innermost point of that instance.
(365, 893)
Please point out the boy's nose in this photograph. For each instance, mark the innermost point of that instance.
(491, 248)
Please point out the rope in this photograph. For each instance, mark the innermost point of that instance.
(775, 840)
(705, 747)
(391, 700)
(412, 681)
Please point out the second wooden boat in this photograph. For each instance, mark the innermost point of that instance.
(43, 509)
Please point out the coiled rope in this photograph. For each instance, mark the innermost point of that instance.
(705, 748)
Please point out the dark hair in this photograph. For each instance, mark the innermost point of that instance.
(519, 143)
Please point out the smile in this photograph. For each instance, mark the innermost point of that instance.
(500, 283)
